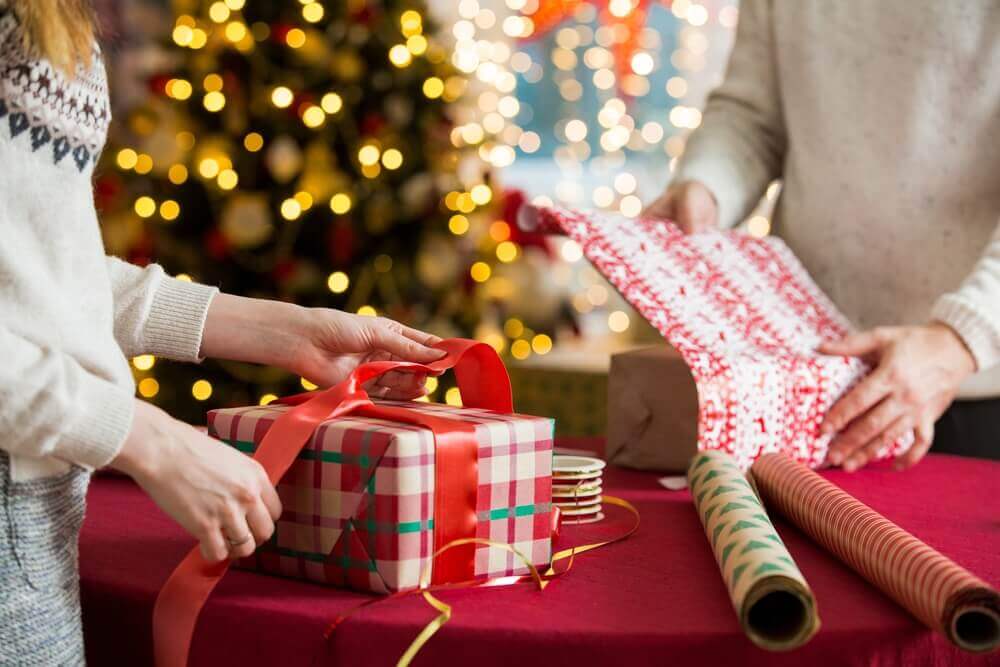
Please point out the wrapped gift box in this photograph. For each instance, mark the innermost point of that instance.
(744, 316)
(654, 401)
(359, 499)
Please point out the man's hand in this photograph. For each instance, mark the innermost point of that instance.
(689, 204)
(918, 370)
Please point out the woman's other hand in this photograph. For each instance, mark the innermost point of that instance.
(219, 495)
(917, 372)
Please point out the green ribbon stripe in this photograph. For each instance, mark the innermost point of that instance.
(520, 510)
(343, 561)
(307, 454)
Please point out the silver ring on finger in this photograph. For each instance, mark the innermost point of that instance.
(238, 543)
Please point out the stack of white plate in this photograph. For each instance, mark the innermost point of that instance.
(576, 488)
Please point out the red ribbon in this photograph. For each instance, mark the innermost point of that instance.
(483, 382)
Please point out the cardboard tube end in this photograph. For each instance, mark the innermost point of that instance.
(780, 620)
(977, 629)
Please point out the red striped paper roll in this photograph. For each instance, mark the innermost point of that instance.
(942, 594)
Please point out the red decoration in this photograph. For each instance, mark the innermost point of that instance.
(232, 81)
(279, 32)
(513, 200)
(341, 243)
(216, 245)
(364, 15)
(106, 190)
(158, 84)
(284, 269)
(372, 123)
(141, 252)
(551, 13)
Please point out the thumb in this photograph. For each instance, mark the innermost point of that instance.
(662, 208)
(388, 339)
(696, 210)
(854, 345)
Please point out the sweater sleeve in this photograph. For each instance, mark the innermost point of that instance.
(52, 406)
(973, 310)
(739, 147)
(157, 314)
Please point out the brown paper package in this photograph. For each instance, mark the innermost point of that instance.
(652, 410)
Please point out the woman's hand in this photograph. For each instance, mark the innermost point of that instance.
(335, 343)
(320, 344)
(218, 494)
(689, 204)
(918, 370)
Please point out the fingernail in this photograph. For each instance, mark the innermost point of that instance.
(835, 458)
(849, 466)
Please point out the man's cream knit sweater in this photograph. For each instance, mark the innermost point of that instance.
(883, 119)
(69, 316)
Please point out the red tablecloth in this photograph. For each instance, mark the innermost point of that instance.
(654, 599)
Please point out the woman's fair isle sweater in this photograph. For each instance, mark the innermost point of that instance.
(69, 315)
(883, 119)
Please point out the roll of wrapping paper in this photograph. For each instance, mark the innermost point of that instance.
(942, 594)
(772, 599)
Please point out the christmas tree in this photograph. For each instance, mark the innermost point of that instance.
(302, 151)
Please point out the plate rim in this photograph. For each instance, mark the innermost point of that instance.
(587, 463)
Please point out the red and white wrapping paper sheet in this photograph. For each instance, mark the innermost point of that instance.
(359, 499)
(745, 316)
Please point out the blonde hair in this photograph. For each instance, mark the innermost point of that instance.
(60, 30)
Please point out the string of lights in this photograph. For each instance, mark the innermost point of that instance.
(295, 152)
(352, 155)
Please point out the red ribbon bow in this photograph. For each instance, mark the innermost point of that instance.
(483, 382)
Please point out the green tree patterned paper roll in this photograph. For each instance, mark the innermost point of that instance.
(771, 597)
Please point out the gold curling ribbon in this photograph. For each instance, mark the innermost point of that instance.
(445, 610)
(540, 580)
(425, 586)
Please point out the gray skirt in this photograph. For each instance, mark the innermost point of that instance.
(39, 575)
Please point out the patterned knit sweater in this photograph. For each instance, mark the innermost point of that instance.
(68, 314)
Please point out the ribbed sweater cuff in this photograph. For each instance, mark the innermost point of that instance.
(979, 333)
(100, 425)
(177, 319)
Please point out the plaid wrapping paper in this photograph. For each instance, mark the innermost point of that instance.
(359, 499)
